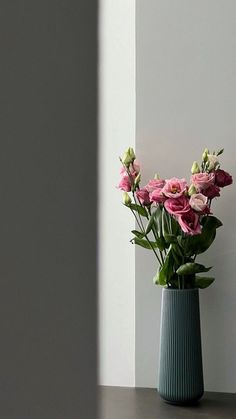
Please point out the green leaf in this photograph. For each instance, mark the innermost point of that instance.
(220, 152)
(210, 221)
(170, 227)
(165, 224)
(170, 238)
(158, 227)
(150, 223)
(138, 234)
(203, 282)
(191, 268)
(174, 226)
(144, 243)
(200, 243)
(138, 208)
(166, 271)
(177, 249)
(156, 279)
(160, 243)
(175, 256)
(158, 219)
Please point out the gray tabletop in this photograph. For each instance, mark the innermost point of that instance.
(136, 403)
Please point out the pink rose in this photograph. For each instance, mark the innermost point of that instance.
(174, 187)
(202, 181)
(177, 206)
(189, 223)
(222, 178)
(125, 184)
(155, 184)
(212, 192)
(157, 196)
(143, 196)
(198, 202)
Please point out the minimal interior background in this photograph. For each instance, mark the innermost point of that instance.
(185, 101)
(48, 131)
(116, 255)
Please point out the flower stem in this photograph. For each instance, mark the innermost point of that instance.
(141, 226)
(156, 237)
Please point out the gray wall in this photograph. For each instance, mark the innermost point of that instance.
(186, 100)
(47, 256)
(116, 124)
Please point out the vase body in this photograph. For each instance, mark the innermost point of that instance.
(180, 360)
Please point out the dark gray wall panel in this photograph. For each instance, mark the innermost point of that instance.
(47, 209)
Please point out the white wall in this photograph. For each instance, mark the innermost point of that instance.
(186, 100)
(117, 132)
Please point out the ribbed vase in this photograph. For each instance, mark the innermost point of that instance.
(180, 361)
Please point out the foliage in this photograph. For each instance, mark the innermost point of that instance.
(174, 219)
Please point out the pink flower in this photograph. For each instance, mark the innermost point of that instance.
(134, 169)
(198, 202)
(222, 178)
(177, 206)
(125, 184)
(128, 179)
(143, 196)
(202, 181)
(212, 192)
(174, 187)
(157, 196)
(189, 223)
(155, 184)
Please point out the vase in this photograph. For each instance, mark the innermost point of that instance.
(180, 359)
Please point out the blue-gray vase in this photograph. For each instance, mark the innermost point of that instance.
(180, 360)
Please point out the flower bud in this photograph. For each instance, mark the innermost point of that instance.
(213, 161)
(195, 168)
(156, 176)
(137, 180)
(128, 157)
(126, 199)
(192, 190)
(205, 155)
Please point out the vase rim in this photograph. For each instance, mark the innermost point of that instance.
(180, 289)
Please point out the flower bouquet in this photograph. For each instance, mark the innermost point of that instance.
(175, 220)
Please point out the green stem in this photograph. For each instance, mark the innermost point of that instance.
(141, 226)
(153, 250)
(162, 259)
(156, 237)
(145, 235)
(136, 218)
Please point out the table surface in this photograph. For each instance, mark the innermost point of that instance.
(139, 403)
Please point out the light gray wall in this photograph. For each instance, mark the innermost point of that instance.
(116, 133)
(48, 209)
(186, 100)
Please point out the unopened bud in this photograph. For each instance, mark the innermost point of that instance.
(205, 155)
(195, 168)
(137, 179)
(192, 190)
(128, 157)
(126, 199)
(213, 161)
